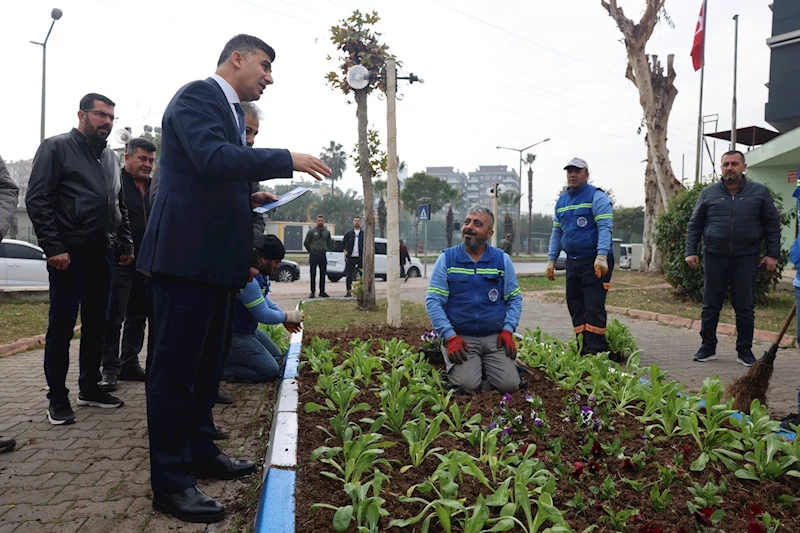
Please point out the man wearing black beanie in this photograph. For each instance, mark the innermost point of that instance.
(253, 356)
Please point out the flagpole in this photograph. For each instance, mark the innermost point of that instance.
(699, 158)
(735, 68)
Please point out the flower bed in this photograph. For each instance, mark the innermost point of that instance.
(385, 446)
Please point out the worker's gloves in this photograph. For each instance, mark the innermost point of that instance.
(457, 349)
(294, 316)
(506, 340)
(600, 266)
(550, 271)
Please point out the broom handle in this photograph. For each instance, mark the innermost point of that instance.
(786, 324)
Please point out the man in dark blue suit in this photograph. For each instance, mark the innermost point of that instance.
(198, 248)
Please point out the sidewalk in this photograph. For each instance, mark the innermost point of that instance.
(94, 476)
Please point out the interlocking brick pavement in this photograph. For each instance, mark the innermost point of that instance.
(93, 476)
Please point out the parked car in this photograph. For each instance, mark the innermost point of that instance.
(561, 261)
(336, 263)
(625, 258)
(286, 271)
(22, 264)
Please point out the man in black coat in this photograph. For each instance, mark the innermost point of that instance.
(129, 294)
(353, 254)
(734, 216)
(78, 210)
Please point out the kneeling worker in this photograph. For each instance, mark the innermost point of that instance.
(474, 303)
(253, 355)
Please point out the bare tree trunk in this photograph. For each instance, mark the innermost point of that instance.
(367, 299)
(657, 94)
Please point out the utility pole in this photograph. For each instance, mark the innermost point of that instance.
(735, 68)
(393, 306)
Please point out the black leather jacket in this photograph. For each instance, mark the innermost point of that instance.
(138, 207)
(735, 225)
(75, 200)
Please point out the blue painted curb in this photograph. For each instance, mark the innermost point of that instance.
(276, 504)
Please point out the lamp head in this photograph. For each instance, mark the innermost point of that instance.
(357, 77)
(56, 13)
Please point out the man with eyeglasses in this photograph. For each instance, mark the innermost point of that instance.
(75, 203)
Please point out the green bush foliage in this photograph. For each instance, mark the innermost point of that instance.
(670, 238)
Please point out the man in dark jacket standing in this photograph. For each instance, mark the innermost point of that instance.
(76, 205)
(318, 242)
(353, 244)
(733, 216)
(129, 291)
(9, 195)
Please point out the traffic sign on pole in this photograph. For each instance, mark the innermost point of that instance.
(424, 212)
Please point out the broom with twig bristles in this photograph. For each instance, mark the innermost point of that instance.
(755, 382)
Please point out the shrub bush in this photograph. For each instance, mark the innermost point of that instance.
(670, 238)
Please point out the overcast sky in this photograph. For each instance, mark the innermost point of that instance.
(496, 73)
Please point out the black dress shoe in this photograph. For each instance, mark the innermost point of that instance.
(223, 467)
(191, 505)
(109, 383)
(132, 374)
(221, 433)
(224, 397)
(7, 444)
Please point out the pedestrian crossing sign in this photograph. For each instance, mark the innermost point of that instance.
(424, 212)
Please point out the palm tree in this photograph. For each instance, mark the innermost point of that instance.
(507, 201)
(380, 190)
(335, 157)
(454, 197)
(530, 159)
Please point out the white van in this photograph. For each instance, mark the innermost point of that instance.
(336, 263)
(626, 256)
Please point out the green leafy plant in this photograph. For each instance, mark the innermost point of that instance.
(419, 434)
(578, 504)
(708, 495)
(620, 339)
(606, 490)
(458, 421)
(762, 462)
(660, 500)
(617, 520)
(364, 510)
(668, 474)
(354, 459)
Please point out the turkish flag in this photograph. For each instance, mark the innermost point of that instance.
(698, 60)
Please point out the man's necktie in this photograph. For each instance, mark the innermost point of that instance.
(240, 114)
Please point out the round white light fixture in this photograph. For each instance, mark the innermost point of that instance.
(357, 77)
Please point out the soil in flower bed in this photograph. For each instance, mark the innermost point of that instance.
(578, 480)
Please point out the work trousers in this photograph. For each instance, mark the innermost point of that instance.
(354, 264)
(739, 274)
(129, 295)
(485, 361)
(586, 301)
(84, 285)
(314, 261)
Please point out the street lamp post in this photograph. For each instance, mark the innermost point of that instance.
(55, 14)
(518, 242)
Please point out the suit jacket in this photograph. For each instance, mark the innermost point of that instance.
(348, 242)
(200, 226)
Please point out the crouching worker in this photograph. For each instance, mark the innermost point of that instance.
(474, 304)
(253, 356)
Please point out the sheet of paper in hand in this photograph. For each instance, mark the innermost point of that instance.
(282, 200)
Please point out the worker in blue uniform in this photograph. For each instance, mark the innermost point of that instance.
(582, 227)
(474, 303)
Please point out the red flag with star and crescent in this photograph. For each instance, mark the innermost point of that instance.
(699, 37)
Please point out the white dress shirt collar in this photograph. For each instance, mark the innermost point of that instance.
(229, 91)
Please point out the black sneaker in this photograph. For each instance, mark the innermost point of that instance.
(60, 412)
(109, 383)
(135, 373)
(311, 295)
(324, 295)
(746, 358)
(223, 397)
(348, 295)
(99, 398)
(790, 420)
(705, 354)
